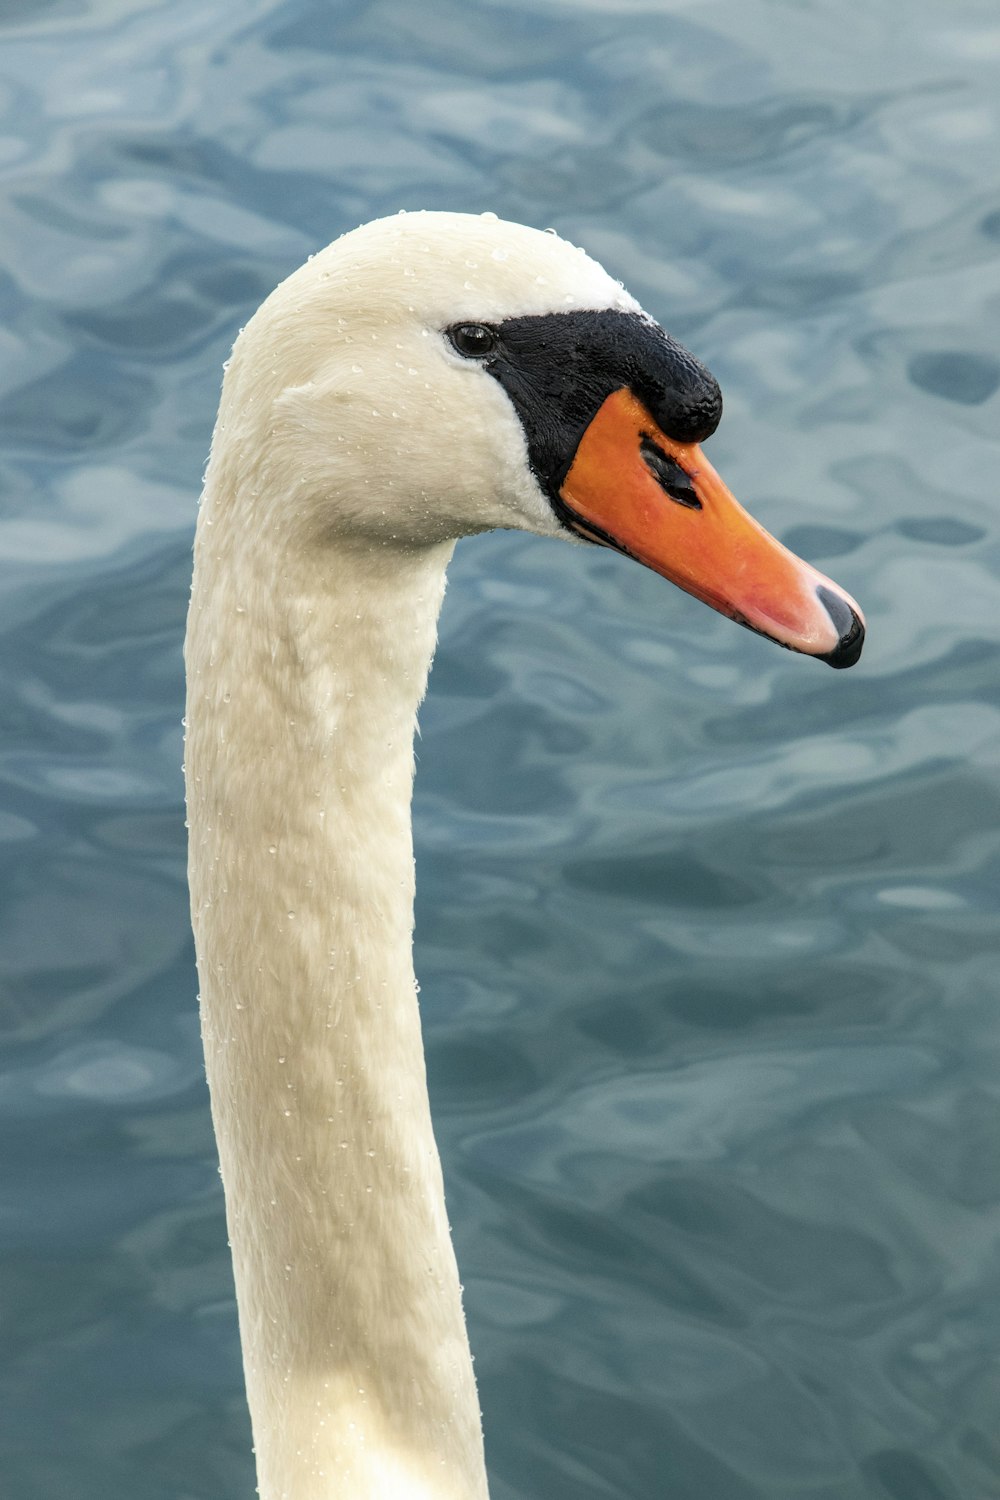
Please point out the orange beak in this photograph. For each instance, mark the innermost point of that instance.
(633, 488)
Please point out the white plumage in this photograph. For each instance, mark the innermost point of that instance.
(353, 445)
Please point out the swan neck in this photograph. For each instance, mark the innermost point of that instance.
(304, 680)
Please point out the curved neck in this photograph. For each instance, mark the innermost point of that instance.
(305, 672)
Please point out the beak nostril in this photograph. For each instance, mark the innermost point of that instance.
(848, 625)
(668, 473)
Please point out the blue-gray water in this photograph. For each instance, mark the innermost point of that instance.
(707, 933)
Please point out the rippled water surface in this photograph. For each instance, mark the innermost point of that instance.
(707, 934)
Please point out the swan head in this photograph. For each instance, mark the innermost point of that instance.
(433, 375)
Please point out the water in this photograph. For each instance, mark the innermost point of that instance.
(706, 933)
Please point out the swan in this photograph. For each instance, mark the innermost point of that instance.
(425, 377)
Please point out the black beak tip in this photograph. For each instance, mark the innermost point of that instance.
(850, 627)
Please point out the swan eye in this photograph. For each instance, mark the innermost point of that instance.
(473, 340)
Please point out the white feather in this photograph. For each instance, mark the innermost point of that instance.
(353, 446)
